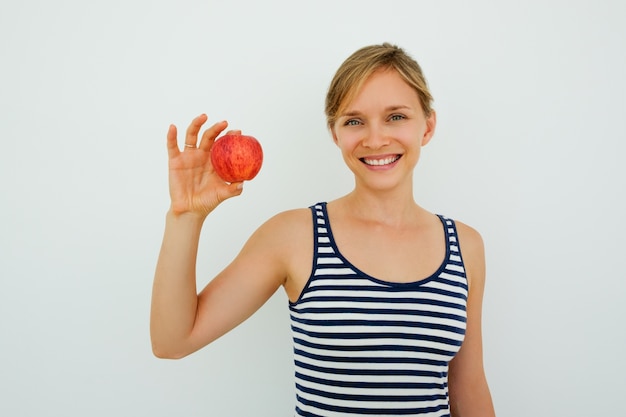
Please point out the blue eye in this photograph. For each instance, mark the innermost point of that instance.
(397, 117)
(352, 122)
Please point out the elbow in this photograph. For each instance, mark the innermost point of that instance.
(162, 351)
(167, 346)
(162, 354)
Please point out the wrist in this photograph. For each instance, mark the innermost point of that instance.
(188, 217)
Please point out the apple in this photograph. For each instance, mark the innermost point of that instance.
(236, 158)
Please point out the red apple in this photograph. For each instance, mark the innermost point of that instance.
(237, 158)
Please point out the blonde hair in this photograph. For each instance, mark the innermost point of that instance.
(355, 70)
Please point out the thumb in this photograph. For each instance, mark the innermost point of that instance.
(232, 190)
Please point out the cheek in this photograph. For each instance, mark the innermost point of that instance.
(408, 137)
(347, 138)
(412, 134)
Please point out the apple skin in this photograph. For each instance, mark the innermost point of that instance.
(236, 158)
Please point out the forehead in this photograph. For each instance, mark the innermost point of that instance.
(381, 87)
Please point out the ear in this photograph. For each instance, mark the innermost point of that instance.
(431, 123)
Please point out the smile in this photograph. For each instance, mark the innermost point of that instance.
(380, 161)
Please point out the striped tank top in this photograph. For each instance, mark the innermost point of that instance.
(367, 347)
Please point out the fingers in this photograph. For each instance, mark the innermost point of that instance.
(172, 142)
(208, 139)
(191, 138)
(209, 135)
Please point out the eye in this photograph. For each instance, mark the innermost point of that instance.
(352, 122)
(395, 117)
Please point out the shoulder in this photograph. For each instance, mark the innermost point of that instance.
(469, 238)
(280, 240)
(284, 229)
(286, 240)
(288, 221)
(472, 250)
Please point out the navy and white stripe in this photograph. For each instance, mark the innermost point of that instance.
(363, 346)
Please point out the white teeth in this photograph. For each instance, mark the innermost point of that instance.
(379, 162)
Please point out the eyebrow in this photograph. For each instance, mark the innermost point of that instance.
(387, 109)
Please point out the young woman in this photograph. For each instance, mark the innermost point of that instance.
(385, 297)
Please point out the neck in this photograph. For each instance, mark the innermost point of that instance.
(390, 208)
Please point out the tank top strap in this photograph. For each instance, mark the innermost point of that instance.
(454, 260)
(324, 245)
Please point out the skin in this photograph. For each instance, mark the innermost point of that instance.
(383, 125)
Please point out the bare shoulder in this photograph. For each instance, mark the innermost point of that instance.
(288, 223)
(469, 238)
(287, 240)
(283, 234)
(472, 249)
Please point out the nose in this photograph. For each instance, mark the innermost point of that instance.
(375, 137)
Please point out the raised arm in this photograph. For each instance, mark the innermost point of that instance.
(182, 321)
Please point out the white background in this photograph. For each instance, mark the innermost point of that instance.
(531, 101)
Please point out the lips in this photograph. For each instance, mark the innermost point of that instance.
(380, 161)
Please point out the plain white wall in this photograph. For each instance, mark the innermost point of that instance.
(529, 150)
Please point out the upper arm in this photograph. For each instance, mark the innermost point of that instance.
(469, 392)
(260, 268)
(468, 361)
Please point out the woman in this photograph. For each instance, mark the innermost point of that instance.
(385, 297)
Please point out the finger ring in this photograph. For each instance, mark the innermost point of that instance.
(190, 146)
